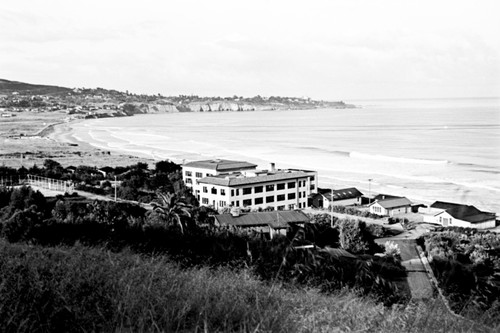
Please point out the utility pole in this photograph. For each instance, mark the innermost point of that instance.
(331, 209)
(115, 188)
(369, 191)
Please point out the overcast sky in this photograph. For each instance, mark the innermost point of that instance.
(323, 49)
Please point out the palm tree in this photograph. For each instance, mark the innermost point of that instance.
(172, 209)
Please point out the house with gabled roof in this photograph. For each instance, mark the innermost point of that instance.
(341, 197)
(391, 206)
(450, 214)
(268, 223)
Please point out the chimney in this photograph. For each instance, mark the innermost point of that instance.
(235, 211)
(273, 168)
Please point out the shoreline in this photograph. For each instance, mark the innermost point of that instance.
(100, 151)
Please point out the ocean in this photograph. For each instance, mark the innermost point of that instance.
(427, 150)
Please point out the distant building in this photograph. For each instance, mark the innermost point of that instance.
(390, 206)
(450, 214)
(198, 169)
(233, 186)
(106, 170)
(342, 197)
(268, 223)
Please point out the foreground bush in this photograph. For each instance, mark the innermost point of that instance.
(80, 289)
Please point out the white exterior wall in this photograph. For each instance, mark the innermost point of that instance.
(388, 212)
(453, 222)
(191, 180)
(382, 212)
(234, 195)
(399, 210)
(344, 202)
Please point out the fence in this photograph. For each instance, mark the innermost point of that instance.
(50, 184)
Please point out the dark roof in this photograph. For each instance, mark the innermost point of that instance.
(464, 212)
(221, 165)
(276, 219)
(107, 169)
(341, 194)
(240, 179)
(385, 197)
(393, 203)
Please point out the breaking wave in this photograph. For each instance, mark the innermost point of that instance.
(406, 160)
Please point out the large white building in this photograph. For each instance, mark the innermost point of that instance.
(248, 187)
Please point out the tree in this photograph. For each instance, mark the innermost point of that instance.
(172, 209)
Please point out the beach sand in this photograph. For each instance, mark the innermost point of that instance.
(55, 142)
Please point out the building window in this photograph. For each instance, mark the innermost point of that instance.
(214, 190)
(189, 173)
(291, 185)
(205, 190)
(247, 190)
(291, 196)
(292, 206)
(311, 178)
(280, 197)
(270, 199)
(209, 175)
(189, 181)
(281, 186)
(259, 201)
(270, 188)
(237, 203)
(259, 189)
(199, 175)
(312, 187)
(237, 191)
(204, 201)
(247, 202)
(300, 195)
(222, 191)
(222, 203)
(281, 207)
(232, 193)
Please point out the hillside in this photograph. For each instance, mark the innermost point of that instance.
(25, 95)
(9, 87)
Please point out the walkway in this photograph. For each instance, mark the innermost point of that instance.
(417, 276)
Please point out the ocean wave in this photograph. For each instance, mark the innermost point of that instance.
(406, 160)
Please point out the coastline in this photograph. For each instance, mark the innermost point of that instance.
(186, 137)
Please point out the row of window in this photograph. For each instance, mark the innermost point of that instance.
(248, 190)
(197, 174)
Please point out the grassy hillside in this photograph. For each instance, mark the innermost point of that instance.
(7, 87)
(90, 289)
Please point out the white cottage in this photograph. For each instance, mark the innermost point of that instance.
(450, 214)
(390, 207)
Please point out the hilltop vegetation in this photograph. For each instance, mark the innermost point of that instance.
(18, 96)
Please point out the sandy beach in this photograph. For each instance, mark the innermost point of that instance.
(55, 142)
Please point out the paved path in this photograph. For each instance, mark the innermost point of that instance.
(417, 276)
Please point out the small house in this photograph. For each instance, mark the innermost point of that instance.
(341, 197)
(268, 223)
(390, 207)
(450, 214)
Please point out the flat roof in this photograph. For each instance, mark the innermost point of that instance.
(220, 165)
(240, 179)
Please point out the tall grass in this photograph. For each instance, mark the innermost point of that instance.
(80, 289)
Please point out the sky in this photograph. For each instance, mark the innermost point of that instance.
(333, 50)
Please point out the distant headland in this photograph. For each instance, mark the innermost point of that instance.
(95, 103)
